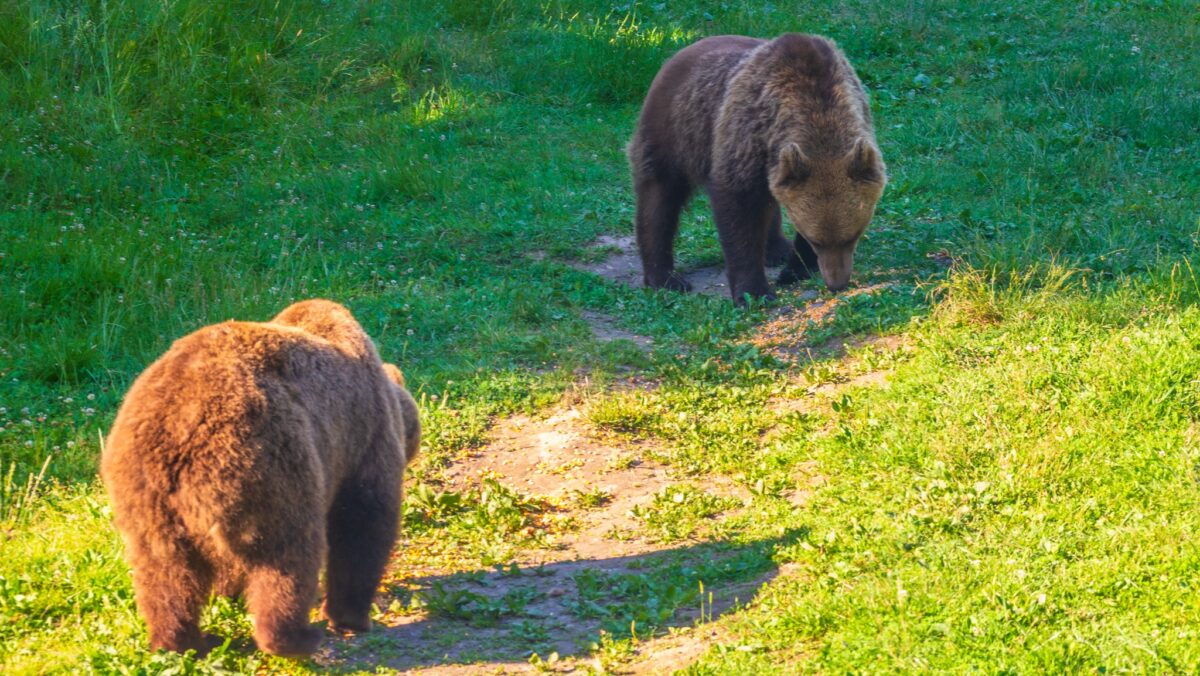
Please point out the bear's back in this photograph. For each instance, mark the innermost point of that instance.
(212, 376)
(819, 100)
(675, 129)
(235, 407)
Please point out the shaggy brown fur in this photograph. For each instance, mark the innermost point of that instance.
(757, 124)
(249, 455)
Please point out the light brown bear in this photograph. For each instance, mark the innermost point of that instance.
(757, 124)
(248, 456)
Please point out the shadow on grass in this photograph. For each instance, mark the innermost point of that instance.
(504, 615)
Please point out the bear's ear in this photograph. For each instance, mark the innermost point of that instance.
(412, 424)
(792, 168)
(394, 374)
(865, 163)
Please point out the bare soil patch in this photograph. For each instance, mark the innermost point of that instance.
(605, 328)
(624, 265)
(556, 456)
(423, 644)
(786, 334)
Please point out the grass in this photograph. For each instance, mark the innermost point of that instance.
(1019, 495)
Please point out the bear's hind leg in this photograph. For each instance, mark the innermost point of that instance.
(279, 597)
(171, 586)
(659, 202)
(361, 532)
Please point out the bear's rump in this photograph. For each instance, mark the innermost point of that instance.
(251, 507)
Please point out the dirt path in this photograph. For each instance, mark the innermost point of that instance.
(598, 483)
(556, 456)
(605, 328)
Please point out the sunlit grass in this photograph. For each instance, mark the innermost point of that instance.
(1016, 494)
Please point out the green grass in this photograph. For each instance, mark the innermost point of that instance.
(1019, 495)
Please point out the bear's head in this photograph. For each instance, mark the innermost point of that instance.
(408, 408)
(830, 202)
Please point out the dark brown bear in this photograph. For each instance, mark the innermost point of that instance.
(248, 456)
(757, 124)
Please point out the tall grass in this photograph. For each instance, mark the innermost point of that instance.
(16, 498)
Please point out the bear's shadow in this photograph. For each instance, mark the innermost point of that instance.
(504, 615)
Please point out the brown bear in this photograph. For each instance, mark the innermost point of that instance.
(757, 124)
(249, 455)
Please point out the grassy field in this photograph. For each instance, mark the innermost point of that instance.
(1007, 483)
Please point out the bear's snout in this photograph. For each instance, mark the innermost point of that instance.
(836, 267)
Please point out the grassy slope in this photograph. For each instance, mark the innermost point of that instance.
(1020, 495)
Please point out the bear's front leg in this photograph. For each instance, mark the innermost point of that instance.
(779, 247)
(743, 219)
(801, 265)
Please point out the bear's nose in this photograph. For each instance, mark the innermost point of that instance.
(836, 267)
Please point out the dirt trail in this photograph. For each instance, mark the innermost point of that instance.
(786, 333)
(605, 328)
(600, 482)
(557, 456)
